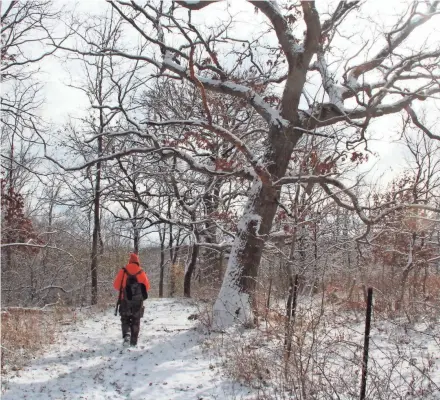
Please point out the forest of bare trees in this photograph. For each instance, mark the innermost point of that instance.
(242, 160)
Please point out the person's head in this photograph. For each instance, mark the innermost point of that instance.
(134, 259)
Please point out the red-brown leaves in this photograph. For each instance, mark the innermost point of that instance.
(16, 227)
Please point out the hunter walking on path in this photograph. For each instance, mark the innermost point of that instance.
(133, 286)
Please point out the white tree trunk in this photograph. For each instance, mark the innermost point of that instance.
(233, 305)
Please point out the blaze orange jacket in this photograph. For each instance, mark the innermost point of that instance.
(132, 268)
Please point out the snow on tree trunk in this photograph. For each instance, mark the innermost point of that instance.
(234, 302)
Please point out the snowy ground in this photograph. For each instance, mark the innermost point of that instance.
(88, 362)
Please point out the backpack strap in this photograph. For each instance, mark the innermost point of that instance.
(122, 279)
(120, 290)
(136, 274)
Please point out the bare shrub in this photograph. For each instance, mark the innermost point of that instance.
(25, 333)
(176, 279)
(326, 356)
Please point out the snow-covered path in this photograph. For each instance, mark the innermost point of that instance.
(88, 362)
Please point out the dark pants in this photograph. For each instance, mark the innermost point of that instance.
(131, 321)
(130, 326)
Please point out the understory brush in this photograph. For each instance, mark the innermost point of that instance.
(26, 332)
(324, 359)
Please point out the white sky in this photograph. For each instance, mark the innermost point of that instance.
(62, 101)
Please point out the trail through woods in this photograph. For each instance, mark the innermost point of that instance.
(88, 361)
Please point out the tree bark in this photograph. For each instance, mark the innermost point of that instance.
(96, 216)
(238, 288)
(136, 239)
(135, 221)
(189, 270)
(212, 262)
(237, 291)
(96, 229)
(162, 262)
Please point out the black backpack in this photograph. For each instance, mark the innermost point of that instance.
(133, 290)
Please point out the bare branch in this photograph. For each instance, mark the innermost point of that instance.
(419, 125)
(195, 4)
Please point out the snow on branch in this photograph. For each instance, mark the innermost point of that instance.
(40, 246)
(351, 86)
(161, 151)
(155, 149)
(121, 134)
(270, 114)
(335, 92)
(195, 4)
(215, 246)
(419, 125)
(394, 39)
(343, 8)
(328, 114)
(259, 169)
(285, 36)
(324, 181)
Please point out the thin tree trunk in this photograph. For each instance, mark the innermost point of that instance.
(175, 257)
(212, 263)
(425, 280)
(48, 236)
(405, 273)
(173, 252)
(162, 262)
(315, 259)
(96, 217)
(136, 239)
(293, 285)
(7, 238)
(95, 237)
(189, 270)
(269, 292)
(176, 250)
(135, 222)
(97, 244)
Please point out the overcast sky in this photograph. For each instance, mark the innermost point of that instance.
(62, 101)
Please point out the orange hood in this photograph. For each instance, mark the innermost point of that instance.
(134, 259)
